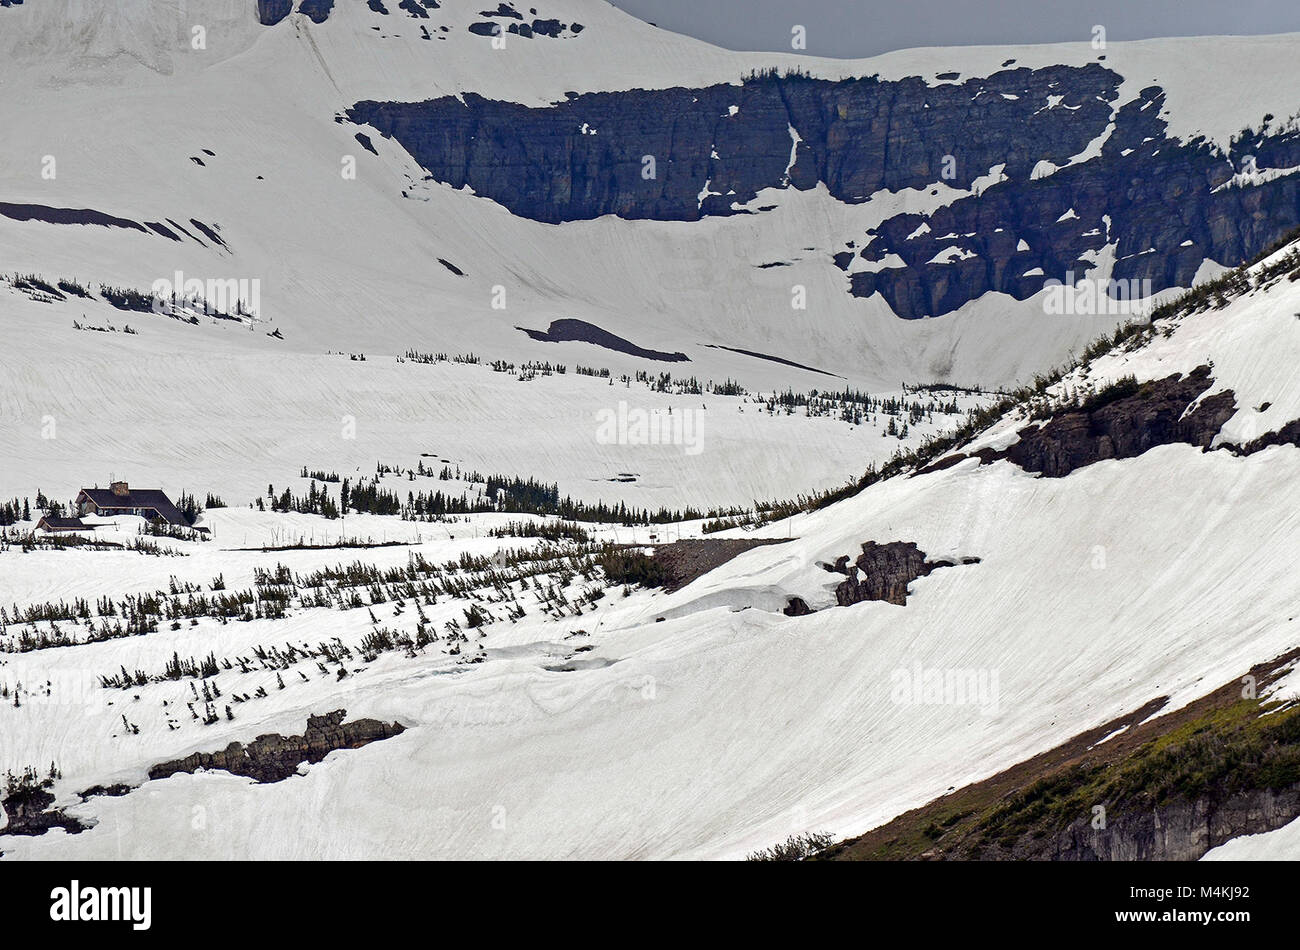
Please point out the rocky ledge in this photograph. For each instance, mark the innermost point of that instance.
(273, 757)
(1123, 421)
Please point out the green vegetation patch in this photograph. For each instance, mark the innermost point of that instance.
(1220, 747)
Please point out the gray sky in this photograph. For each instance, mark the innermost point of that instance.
(854, 28)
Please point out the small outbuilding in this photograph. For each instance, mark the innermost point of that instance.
(54, 524)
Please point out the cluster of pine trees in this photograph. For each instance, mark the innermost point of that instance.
(656, 382)
(500, 493)
(12, 512)
(189, 507)
(508, 494)
(529, 369)
(415, 356)
(315, 502)
(320, 476)
(854, 406)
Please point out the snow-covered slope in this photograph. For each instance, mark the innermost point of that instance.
(705, 722)
(147, 138)
(1280, 845)
(224, 410)
(118, 98)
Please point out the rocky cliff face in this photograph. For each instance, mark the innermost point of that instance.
(1075, 175)
(715, 147)
(1166, 205)
(1180, 831)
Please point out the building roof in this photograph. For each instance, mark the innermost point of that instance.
(71, 524)
(105, 500)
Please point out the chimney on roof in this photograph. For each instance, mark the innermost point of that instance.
(120, 489)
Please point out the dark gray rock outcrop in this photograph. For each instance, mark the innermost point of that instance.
(271, 12)
(1157, 414)
(1118, 424)
(272, 758)
(1289, 434)
(29, 813)
(318, 11)
(884, 571)
(797, 607)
